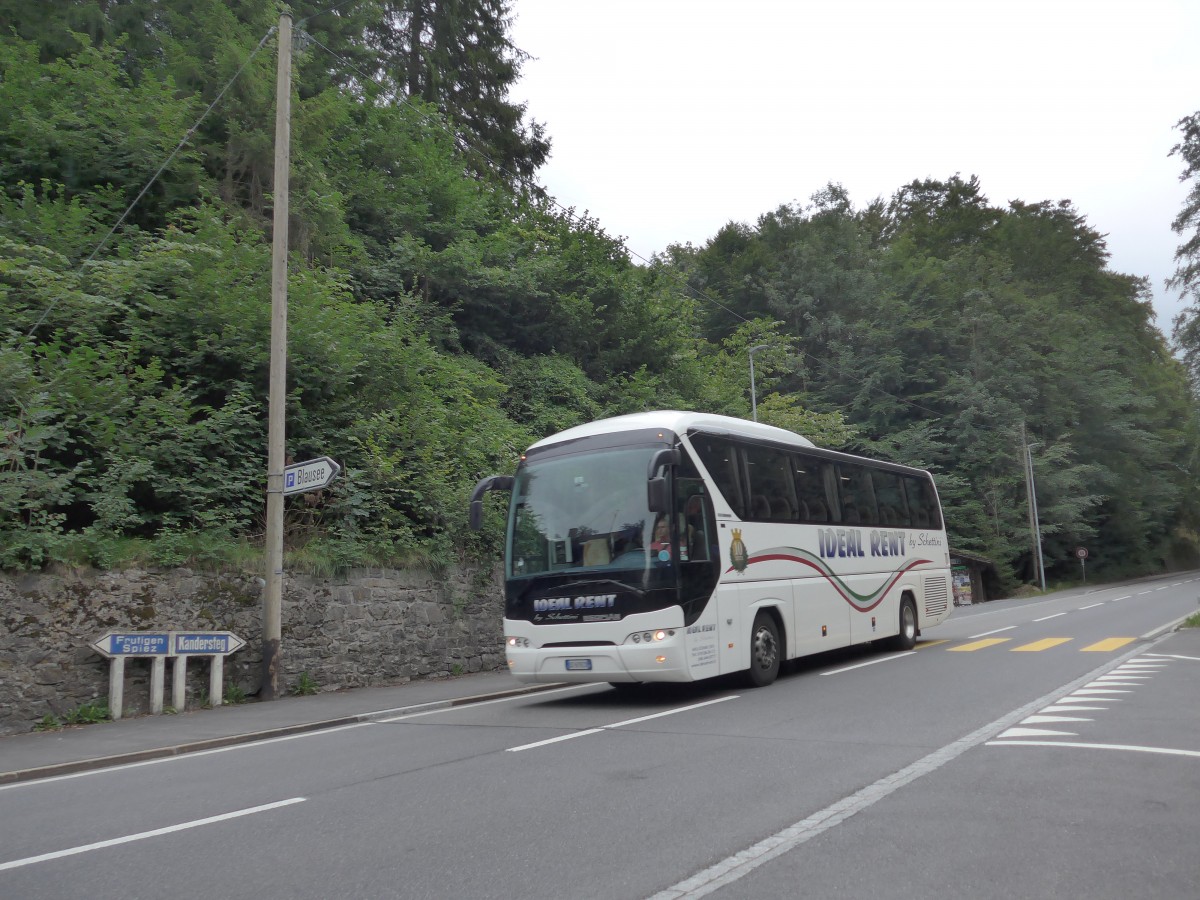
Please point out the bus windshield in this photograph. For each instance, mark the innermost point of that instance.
(584, 511)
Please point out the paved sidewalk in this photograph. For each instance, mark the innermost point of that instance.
(46, 753)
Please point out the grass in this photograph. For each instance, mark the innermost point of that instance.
(1192, 621)
(85, 714)
(305, 686)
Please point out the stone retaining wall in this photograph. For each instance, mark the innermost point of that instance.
(369, 627)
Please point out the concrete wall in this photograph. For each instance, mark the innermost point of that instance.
(369, 627)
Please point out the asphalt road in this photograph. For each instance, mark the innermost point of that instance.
(858, 773)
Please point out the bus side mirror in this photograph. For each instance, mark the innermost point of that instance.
(492, 483)
(658, 497)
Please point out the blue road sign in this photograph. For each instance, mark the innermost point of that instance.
(168, 643)
(134, 643)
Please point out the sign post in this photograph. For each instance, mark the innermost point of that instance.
(1081, 554)
(214, 644)
(157, 646)
(119, 646)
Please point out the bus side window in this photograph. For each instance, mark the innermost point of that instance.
(921, 502)
(773, 497)
(893, 509)
(857, 495)
(720, 458)
(829, 477)
(808, 473)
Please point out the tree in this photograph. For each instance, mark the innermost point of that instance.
(456, 56)
(1187, 255)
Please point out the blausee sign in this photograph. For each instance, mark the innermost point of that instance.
(309, 476)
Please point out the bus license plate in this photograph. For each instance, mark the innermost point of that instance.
(579, 665)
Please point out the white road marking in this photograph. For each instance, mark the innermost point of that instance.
(870, 662)
(183, 756)
(1088, 700)
(1174, 656)
(1127, 747)
(445, 709)
(1057, 709)
(183, 826)
(986, 633)
(584, 733)
(732, 868)
(274, 740)
(1092, 606)
(1048, 618)
(1046, 720)
(1035, 732)
(1150, 667)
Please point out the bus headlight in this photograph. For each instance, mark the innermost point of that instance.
(650, 637)
(520, 642)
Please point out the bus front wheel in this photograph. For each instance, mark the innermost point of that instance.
(764, 651)
(907, 638)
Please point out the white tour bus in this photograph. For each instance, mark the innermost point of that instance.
(675, 546)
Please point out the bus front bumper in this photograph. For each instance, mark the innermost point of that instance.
(659, 661)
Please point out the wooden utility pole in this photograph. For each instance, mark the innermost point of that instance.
(1035, 528)
(273, 590)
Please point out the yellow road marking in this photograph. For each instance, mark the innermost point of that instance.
(978, 645)
(923, 644)
(1107, 644)
(1044, 644)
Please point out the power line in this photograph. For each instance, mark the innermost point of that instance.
(464, 143)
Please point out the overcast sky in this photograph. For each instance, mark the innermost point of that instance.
(670, 118)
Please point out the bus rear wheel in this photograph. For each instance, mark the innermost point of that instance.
(907, 638)
(764, 651)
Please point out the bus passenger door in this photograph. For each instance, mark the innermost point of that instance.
(733, 637)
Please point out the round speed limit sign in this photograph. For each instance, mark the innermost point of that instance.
(1081, 553)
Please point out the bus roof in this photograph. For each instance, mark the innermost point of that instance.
(679, 423)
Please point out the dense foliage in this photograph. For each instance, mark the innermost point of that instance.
(444, 314)
(942, 326)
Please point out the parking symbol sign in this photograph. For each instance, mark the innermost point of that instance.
(311, 475)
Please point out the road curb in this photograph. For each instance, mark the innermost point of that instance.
(1170, 626)
(135, 756)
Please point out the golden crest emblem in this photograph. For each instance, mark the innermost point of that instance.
(738, 555)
